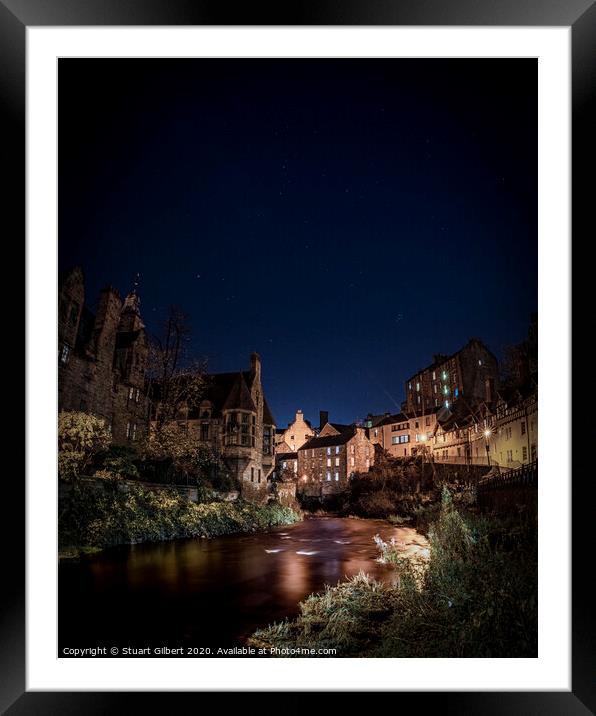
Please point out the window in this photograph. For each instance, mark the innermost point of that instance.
(456, 392)
(337, 449)
(427, 421)
(284, 464)
(376, 433)
(416, 424)
(134, 431)
(328, 451)
(337, 477)
(328, 475)
(524, 453)
(444, 375)
(352, 461)
(446, 403)
(435, 387)
(434, 375)
(479, 362)
(259, 475)
(418, 387)
(131, 392)
(395, 440)
(445, 390)
(367, 463)
(252, 474)
(352, 449)
(137, 395)
(328, 462)
(336, 462)
(204, 431)
(64, 354)
(523, 427)
(419, 401)
(291, 437)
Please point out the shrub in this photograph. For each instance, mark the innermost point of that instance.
(474, 596)
(98, 517)
(80, 437)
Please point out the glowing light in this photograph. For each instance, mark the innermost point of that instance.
(487, 433)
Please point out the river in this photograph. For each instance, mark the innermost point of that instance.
(213, 593)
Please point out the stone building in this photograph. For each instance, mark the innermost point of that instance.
(502, 433)
(327, 462)
(235, 421)
(471, 372)
(102, 357)
(295, 435)
(404, 434)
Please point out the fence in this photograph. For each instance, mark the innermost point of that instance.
(509, 490)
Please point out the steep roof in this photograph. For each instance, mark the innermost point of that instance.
(330, 440)
(268, 418)
(239, 397)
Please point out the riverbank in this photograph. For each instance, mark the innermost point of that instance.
(92, 519)
(474, 596)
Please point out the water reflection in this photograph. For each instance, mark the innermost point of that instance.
(215, 592)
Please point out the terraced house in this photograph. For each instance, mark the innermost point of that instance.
(327, 462)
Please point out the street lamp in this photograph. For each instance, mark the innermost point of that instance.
(487, 434)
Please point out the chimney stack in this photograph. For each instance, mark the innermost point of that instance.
(323, 418)
(255, 365)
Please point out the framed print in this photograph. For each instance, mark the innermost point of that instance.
(294, 267)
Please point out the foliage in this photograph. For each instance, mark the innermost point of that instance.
(118, 461)
(97, 517)
(80, 437)
(171, 449)
(475, 596)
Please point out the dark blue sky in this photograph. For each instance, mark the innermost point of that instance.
(345, 218)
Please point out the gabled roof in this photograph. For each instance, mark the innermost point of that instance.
(330, 440)
(239, 397)
(268, 418)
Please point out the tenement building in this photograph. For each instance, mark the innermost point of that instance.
(102, 357)
(405, 434)
(328, 461)
(295, 435)
(235, 421)
(470, 373)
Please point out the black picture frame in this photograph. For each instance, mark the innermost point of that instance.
(17, 15)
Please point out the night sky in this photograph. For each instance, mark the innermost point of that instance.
(344, 218)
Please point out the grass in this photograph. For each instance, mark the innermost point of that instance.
(92, 518)
(474, 596)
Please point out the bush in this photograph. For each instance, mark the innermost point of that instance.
(97, 517)
(80, 437)
(119, 461)
(474, 596)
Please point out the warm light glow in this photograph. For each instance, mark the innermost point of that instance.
(423, 438)
(487, 433)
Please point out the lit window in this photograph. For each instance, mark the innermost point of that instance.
(352, 461)
(328, 451)
(328, 462)
(284, 465)
(456, 392)
(337, 449)
(336, 462)
(64, 354)
(444, 375)
(446, 403)
(134, 431)
(328, 475)
(337, 477)
(418, 387)
(479, 362)
(137, 395)
(131, 392)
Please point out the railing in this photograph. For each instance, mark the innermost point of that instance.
(525, 475)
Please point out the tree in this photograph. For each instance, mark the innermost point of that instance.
(177, 380)
(80, 437)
